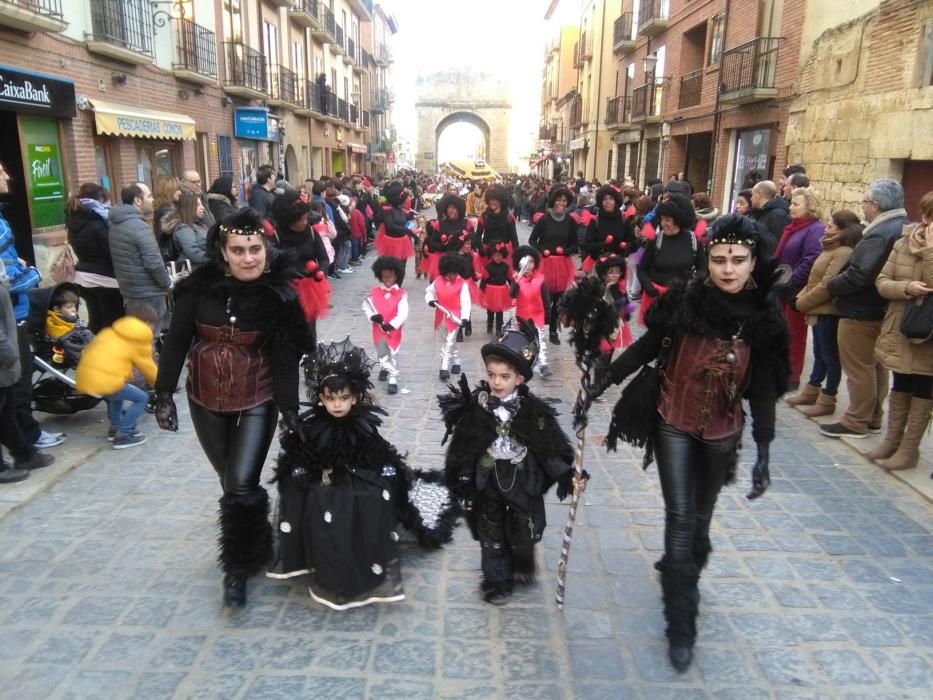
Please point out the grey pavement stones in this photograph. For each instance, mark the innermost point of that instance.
(822, 589)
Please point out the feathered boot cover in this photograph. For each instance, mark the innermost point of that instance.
(679, 581)
(245, 540)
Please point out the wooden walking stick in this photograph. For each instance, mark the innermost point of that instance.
(592, 319)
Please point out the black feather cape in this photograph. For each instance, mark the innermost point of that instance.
(472, 429)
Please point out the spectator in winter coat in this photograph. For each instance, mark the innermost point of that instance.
(189, 234)
(137, 261)
(357, 231)
(262, 195)
(191, 182)
(222, 199)
(862, 309)
(87, 218)
(799, 247)
(771, 212)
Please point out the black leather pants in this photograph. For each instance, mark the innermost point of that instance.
(692, 472)
(236, 444)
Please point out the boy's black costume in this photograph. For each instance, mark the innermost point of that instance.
(502, 458)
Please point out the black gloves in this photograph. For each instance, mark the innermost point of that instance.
(761, 475)
(464, 323)
(387, 327)
(376, 318)
(432, 303)
(165, 412)
(482, 284)
(291, 423)
(651, 291)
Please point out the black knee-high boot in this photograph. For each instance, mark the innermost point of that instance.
(679, 581)
(245, 541)
(490, 316)
(702, 547)
(554, 321)
(498, 324)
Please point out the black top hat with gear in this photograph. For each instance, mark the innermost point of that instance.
(518, 346)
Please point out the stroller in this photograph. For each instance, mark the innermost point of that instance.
(53, 391)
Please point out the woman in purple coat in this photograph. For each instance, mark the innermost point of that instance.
(799, 247)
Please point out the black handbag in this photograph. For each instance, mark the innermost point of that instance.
(635, 415)
(917, 321)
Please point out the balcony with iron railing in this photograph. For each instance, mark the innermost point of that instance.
(578, 113)
(121, 30)
(691, 89)
(653, 17)
(582, 50)
(283, 87)
(305, 14)
(32, 15)
(381, 101)
(354, 114)
(281, 3)
(364, 120)
(383, 55)
(367, 62)
(647, 101)
(623, 38)
(337, 47)
(350, 58)
(195, 58)
(343, 110)
(326, 25)
(619, 111)
(244, 71)
(749, 71)
(547, 133)
(382, 146)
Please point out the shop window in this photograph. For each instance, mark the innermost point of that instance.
(154, 161)
(103, 165)
(225, 154)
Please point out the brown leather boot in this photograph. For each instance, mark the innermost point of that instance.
(805, 397)
(898, 408)
(825, 406)
(908, 453)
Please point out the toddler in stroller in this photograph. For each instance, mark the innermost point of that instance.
(57, 342)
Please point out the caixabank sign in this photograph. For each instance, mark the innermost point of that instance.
(32, 93)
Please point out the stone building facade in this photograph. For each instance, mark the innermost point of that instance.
(865, 105)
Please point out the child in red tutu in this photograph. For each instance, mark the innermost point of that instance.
(394, 238)
(472, 272)
(497, 274)
(611, 270)
(532, 299)
(554, 236)
(444, 232)
(387, 309)
(421, 234)
(449, 296)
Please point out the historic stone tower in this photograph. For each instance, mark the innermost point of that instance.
(461, 96)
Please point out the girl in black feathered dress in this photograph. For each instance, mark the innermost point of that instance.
(344, 491)
(720, 340)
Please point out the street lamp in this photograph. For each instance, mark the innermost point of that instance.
(651, 65)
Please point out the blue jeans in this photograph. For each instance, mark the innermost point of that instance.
(125, 421)
(826, 364)
(355, 248)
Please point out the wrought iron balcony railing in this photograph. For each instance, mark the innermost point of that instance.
(623, 38)
(195, 48)
(647, 100)
(284, 85)
(653, 16)
(244, 67)
(619, 110)
(691, 89)
(123, 23)
(749, 71)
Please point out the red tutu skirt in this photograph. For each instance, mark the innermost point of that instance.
(476, 296)
(400, 248)
(646, 302)
(496, 297)
(559, 272)
(314, 296)
(430, 263)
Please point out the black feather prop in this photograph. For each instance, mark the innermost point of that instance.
(453, 404)
(591, 318)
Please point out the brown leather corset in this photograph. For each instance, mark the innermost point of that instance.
(228, 370)
(704, 380)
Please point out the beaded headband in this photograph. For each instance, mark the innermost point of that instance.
(227, 231)
(732, 238)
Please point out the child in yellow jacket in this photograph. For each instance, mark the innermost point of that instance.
(106, 367)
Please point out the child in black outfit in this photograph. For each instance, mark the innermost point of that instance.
(506, 451)
(497, 274)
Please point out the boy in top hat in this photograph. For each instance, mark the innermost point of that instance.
(506, 450)
(387, 309)
(449, 295)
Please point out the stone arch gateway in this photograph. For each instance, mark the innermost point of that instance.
(458, 96)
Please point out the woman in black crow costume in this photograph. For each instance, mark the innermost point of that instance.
(720, 340)
(344, 490)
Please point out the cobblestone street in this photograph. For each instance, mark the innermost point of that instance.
(822, 589)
